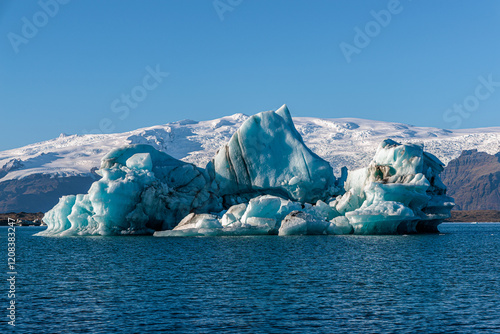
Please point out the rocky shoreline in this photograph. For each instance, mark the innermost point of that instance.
(20, 216)
(471, 216)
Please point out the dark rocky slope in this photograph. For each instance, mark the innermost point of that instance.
(480, 216)
(473, 180)
(35, 193)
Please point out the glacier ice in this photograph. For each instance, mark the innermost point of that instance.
(265, 181)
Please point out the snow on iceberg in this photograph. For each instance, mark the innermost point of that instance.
(265, 181)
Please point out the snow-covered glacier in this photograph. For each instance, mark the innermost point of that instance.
(264, 181)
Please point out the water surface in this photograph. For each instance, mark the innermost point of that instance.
(304, 284)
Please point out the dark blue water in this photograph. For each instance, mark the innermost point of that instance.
(448, 283)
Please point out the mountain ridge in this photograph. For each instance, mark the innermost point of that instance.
(349, 142)
(473, 179)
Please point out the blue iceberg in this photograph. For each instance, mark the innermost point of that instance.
(268, 156)
(399, 192)
(265, 181)
(142, 190)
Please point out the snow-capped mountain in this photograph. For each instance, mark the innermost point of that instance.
(45, 167)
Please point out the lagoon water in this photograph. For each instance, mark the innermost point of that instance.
(446, 283)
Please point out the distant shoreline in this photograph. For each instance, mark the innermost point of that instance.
(4, 217)
(471, 216)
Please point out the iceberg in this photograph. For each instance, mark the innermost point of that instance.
(302, 223)
(263, 215)
(141, 190)
(267, 155)
(339, 226)
(399, 192)
(264, 181)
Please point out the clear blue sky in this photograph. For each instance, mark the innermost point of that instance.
(76, 69)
